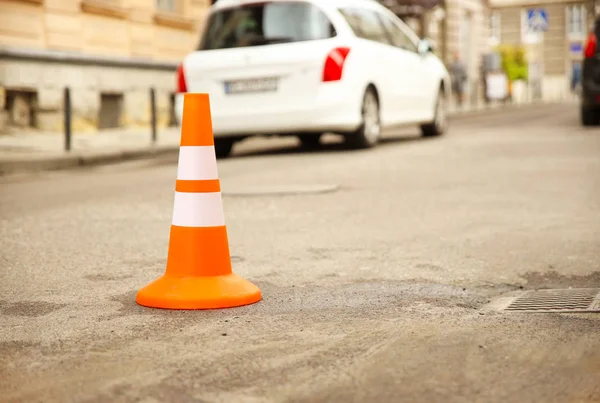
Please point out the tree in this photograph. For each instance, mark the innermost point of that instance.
(514, 62)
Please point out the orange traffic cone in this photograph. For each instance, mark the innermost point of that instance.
(198, 273)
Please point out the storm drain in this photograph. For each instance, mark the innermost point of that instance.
(557, 300)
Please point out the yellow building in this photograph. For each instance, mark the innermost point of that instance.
(108, 52)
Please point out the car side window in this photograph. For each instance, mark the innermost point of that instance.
(397, 36)
(365, 24)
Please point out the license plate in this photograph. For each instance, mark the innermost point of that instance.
(267, 84)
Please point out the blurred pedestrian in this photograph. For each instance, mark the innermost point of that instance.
(575, 78)
(459, 75)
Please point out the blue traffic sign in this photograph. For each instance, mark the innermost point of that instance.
(576, 47)
(537, 20)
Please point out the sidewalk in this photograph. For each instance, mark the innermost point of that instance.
(35, 151)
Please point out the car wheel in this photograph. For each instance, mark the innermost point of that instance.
(310, 141)
(223, 147)
(589, 117)
(440, 118)
(369, 133)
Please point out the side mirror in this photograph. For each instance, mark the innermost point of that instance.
(424, 46)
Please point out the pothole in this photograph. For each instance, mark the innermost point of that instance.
(278, 190)
(565, 300)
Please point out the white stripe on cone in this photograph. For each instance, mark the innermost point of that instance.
(198, 210)
(197, 163)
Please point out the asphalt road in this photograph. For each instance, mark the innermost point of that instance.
(373, 292)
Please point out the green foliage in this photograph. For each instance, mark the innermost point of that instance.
(514, 62)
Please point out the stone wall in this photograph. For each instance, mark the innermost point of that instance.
(44, 82)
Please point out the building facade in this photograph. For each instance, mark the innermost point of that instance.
(466, 31)
(109, 53)
(553, 55)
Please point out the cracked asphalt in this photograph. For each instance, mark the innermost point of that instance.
(373, 291)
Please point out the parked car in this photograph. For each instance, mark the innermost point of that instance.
(590, 79)
(309, 67)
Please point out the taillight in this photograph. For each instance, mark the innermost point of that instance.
(334, 64)
(181, 85)
(590, 46)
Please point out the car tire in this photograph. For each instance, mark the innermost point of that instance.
(589, 117)
(310, 141)
(223, 147)
(369, 132)
(439, 125)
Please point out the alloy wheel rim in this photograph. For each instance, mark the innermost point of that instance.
(440, 113)
(371, 118)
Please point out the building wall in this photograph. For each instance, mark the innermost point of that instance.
(103, 27)
(136, 46)
(44, 82)
(445, 27)
(552, 51)
(474, 40)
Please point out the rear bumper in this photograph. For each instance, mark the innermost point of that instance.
(590, 95)
(337, 114)
(590, 88)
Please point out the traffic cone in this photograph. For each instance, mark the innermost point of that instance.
(198, 272)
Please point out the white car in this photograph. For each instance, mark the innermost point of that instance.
(309, 67)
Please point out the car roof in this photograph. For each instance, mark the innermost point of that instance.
(330, 5)
(349, 3)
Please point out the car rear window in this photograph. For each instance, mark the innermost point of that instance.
(265, 23)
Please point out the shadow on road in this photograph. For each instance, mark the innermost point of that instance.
(330, 146)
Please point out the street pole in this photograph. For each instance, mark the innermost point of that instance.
(424, 23)
(153, 113)
(67, 113)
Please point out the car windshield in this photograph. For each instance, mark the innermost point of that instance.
(265, 23)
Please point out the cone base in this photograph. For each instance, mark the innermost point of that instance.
(213, 292)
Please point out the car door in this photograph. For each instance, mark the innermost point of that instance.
(407, 80)
(376, 59)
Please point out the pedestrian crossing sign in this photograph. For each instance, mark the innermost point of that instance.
(537, 20)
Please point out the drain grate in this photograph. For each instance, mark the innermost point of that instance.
(557, 300)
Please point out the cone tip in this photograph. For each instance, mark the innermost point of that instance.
(196, 125)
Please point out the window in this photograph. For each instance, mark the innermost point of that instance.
(264, 24)
(396, 35)
(465, 37)
(495, 24)
(366, 24)
(111, 108)
(107, 8)
(576, 21)
(167, 5)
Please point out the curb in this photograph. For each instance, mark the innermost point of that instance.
(70, 161)
(497, 109)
